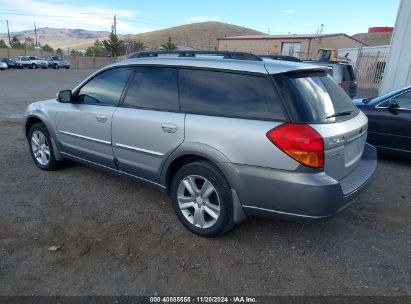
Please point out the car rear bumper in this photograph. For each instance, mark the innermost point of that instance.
(301, 195)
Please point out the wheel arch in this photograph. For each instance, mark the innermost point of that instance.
(30, 121)
(191, 152)
(40, 117)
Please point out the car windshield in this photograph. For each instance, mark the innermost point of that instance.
(56, 58)
(387, 96)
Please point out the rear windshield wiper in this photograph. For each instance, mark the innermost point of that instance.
(343, 113)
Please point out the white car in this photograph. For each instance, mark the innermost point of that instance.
(3, 66)
(32, 62)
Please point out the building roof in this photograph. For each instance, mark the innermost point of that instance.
(308, 36)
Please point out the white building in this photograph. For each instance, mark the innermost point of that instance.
(398, 68)
(353, 53)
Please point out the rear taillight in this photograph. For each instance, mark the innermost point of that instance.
(342, 85)
(300, 142)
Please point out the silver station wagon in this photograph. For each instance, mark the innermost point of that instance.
(226, 135)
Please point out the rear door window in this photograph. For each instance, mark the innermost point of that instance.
(229, 94)
(314, 97)
(153, 88)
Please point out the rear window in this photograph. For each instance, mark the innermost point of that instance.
(229, 94)
(314, 98)
(348, 73)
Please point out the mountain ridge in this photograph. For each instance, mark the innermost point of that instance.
(201, 35)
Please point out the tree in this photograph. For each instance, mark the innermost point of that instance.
(134, 46)
(97, 49)
(113, 45)
(47, 48)
(3, 44)
(169, 45)
(29, 43)
(74, 52)
(16, 44)
(59, 51)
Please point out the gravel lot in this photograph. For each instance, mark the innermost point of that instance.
(118, 237)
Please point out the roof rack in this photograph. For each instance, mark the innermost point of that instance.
(226, 55)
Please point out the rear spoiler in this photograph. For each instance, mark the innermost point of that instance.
(278, 67)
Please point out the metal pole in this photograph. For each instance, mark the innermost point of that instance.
(8, 32)
(35, 33)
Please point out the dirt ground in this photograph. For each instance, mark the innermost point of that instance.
(121, 238)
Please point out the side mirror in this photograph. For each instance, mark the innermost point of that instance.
(392, 104)
(65, 96)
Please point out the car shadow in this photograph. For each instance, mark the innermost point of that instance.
(398, 160)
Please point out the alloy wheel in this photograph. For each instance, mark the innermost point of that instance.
(40, 148)
(198, 201)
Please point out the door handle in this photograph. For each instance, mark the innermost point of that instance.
(169, 128)
(101, 118)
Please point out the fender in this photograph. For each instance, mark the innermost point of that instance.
(46, 120)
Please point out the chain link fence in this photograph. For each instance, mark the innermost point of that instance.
(369, 71)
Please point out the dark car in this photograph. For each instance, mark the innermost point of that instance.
(343, 74)
(57, 62)
(12, 64)
(389, 118)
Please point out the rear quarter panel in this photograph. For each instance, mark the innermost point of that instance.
(242, 141)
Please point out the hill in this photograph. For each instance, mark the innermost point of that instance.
(197, 35)
(61, 38)
(374, 39)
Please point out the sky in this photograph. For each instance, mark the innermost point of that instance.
(268, 16)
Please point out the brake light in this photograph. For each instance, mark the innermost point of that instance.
(300, 142)
(342, 85)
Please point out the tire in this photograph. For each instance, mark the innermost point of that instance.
(56, 66)
(67, 68)
(48, 163)
(34, 66)
(196, 214)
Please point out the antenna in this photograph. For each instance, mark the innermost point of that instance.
(322, 28)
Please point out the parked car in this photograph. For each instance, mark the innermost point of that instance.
(281, 57)
(32, 62)
(343, 73)
(216, 134)
(11, 64)
(389, 119)
(57, 62)
(3, 66)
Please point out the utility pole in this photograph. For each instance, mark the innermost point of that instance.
(115, 25)
(8, 32)
(35, 33)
